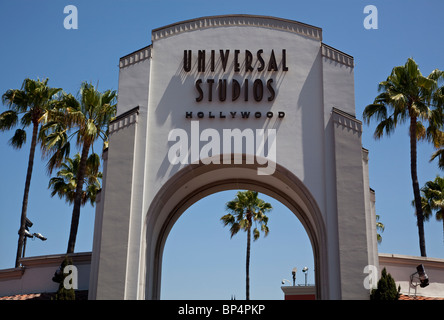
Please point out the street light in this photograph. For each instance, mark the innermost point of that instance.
(305, 270)
(28, 224)
(293, 272)
(285, 280)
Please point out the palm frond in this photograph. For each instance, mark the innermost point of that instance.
(8, 120)
(65, 183)
(18, 139)
(386, 126)
(245, 210)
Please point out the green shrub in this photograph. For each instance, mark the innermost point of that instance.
(59, 277)
(386, 289)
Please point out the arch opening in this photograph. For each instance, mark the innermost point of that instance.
(201, 261)
(195, 182)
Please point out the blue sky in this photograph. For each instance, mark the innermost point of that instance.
(200, 260)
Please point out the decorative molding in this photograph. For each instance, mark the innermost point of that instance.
(336, 55)
(365, 155)
(299, 290)
(56, 259)
(236, 21)
(135, 57)
(346, 120)
(11, 274)
(399, 259)
(124, 120)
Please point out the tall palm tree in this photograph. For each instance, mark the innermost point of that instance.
(406, 95)
(433, 199)
(65, 183)
(31, 104)
(245, 210)
(88, 116)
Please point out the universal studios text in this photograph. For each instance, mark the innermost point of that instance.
(259, 145)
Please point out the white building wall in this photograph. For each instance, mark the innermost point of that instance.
(401, 267)
(35, 275)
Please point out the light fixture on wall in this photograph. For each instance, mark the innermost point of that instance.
(421, 276)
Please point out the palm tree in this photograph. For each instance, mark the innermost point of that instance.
(88, 116)
(244, 210)
(65, 183)
(435, 129)
(32, 103)
(379, 227)
(406, 95)
(433, 199)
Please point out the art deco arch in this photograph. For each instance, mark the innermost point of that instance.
(195, 182)
(320, 150)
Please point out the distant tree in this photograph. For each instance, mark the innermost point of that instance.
(435, 131)
(432, 199)
(28, 107)
(379, 227)
(245, 211)
(65, 183)
(386, 288)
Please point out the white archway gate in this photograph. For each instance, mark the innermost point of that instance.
(234, 102)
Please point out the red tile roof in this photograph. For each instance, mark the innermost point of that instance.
(31, 296)
(80, 295)
(406, 297)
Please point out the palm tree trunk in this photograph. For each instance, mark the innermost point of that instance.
(78, 199)
(416, 190)
(26, 193)
(247, 288)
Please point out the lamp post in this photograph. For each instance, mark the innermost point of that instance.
(28, 234)
(293, 272)
(305, 270)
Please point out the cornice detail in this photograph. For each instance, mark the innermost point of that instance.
(238, 20)
(137, 56)
(124, 120)
(336, 55)
(346, 120)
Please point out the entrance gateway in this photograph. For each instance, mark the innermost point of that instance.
(234, 102)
